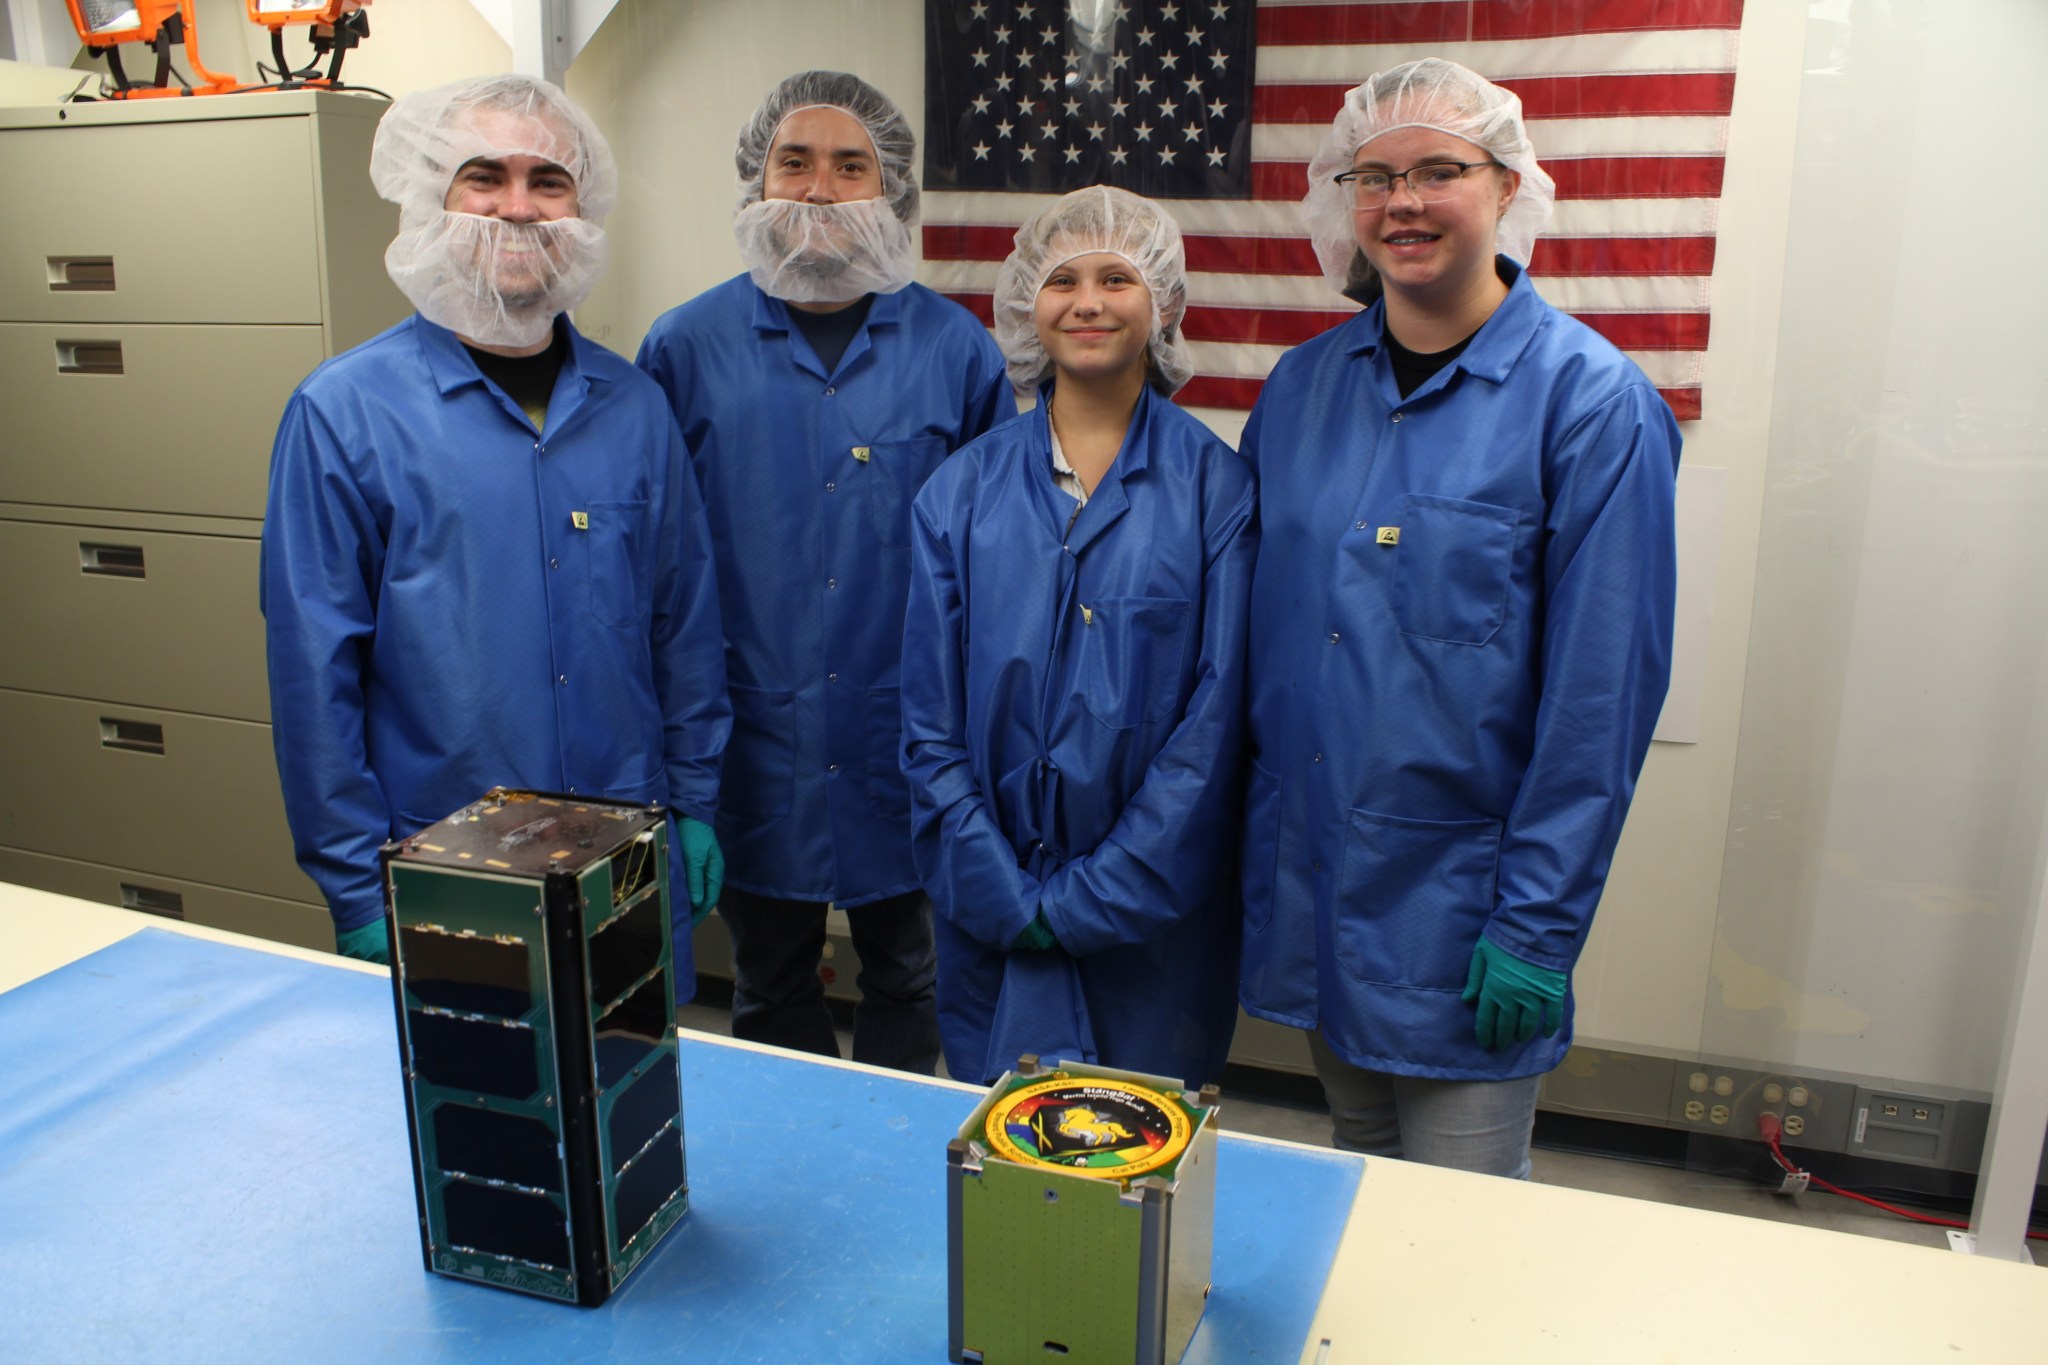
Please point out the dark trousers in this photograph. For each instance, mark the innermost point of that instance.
(778, 999)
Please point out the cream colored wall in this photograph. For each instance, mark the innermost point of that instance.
(670, 82)
(413, 44)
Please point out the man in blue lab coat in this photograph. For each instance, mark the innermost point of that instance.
(816, 393)
(484, 559)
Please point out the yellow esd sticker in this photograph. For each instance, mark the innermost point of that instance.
(1387, 535)
(580, 520)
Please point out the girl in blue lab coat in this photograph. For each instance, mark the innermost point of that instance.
(1463, 613)
(1072, 675)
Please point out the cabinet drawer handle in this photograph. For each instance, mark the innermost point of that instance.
(136, 736)
(152, 900)
(111, 561)
(89, 357)
(81, 274)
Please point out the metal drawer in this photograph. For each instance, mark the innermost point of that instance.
(141, 617)
(163, 792)
(135, 418)
(308, 926)
(178, 222)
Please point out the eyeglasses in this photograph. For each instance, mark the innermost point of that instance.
(1432, 182)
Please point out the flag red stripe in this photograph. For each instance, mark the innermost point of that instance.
(1689, 93)
(1238, 255)
(978, 304)
(1222, 255)
(1581, 177)
(1485, 20)
(1695, 93)
(1251, 255)
(1650, 331)
(1266, 326)
(967, 242)
(1636, 177)
(1335, 25)
(1213, 391)
(1685, 403)
(1623, 256)
(1292, 326)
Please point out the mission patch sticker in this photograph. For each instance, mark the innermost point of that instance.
(1099, 1126)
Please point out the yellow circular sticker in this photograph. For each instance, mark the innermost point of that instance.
(1097, 1127)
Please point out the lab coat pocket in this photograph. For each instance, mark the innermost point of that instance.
(1132, 652)
(893, 472)
(611, 547)
(1413, 896)
(1261, 846)
(888, 789)
(759, 778)
(1452, 566)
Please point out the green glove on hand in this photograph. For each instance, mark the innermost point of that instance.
(703, 865)
(370, 943)
(1513, 996)
(1037, 935)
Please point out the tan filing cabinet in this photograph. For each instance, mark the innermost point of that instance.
(169, 270)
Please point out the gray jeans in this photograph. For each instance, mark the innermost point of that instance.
(1480, 1126)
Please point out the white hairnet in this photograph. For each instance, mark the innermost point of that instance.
(496, 282)
(1431, 93)
(895, 147)
(828, 253)
(1099, 218)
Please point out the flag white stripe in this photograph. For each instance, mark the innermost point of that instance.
(1634, 136)
(1657, 53)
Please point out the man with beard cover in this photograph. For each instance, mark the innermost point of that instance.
(484, 559)
(816, 393)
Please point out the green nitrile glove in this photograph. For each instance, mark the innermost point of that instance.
(1037, 935)
(370, 943)
(1514, 997)
(703, 865)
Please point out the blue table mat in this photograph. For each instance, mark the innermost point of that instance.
(203, 1157)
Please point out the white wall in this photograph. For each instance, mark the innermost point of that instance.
(1867, 913)
(1643, 978)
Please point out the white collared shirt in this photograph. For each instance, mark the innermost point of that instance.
(1063, 476)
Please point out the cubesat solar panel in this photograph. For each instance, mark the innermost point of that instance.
(533, 978)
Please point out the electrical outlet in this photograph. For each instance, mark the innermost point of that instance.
(1919, 1129)
(1708, 1098)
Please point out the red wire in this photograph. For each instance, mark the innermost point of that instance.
(1769, 1130)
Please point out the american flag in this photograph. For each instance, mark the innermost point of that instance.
(1216, 105)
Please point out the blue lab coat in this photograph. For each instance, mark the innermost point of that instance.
(1073, 720)
(439, 624)
(1461, 637)
(807, 479)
